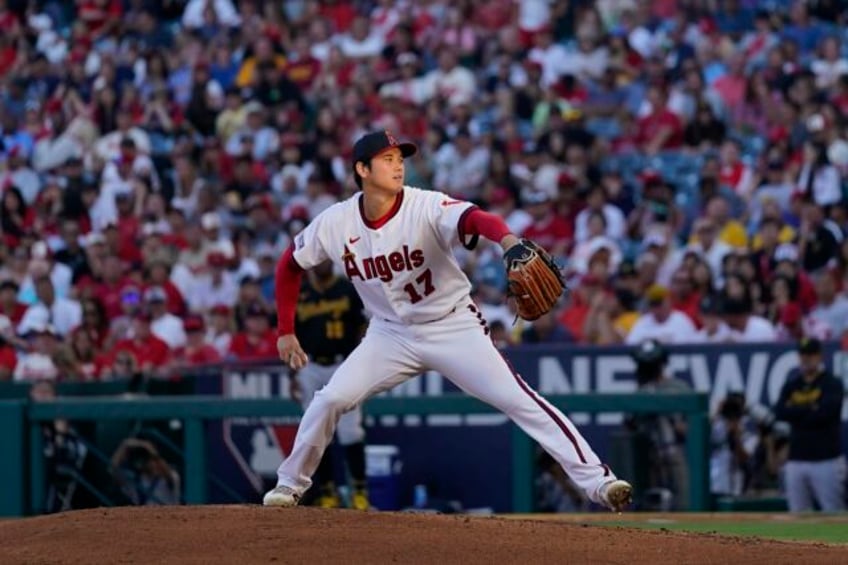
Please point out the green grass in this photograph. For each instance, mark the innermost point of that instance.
(830, 532)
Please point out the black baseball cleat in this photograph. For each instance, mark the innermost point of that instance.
(617, 495)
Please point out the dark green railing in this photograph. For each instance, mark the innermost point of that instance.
(20, 419)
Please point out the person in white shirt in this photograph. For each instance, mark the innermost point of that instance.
(712, 249)
(219, 333)
(108, 147)
(41, 263)
(817, 176)
(586, 253)
(661, 322)
(64, 314)
(451, 81)
(832, 308)
(361, 42)
(224, 12)
(215, 287)
(552, 56)
(164, 325)
(613, 216)
(461, 166)
(265, 139)
(830, 66)
(713, 329)
(37, 364)
(744, 326)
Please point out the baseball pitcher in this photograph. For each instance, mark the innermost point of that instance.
(395, 243)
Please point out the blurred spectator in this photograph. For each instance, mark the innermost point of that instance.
(215, 287)
(221, 327)
(63, 314)
(744, 325)
(9, 305)
(713, 328)
(196, 351)
(612, 217)
(72, 253)
(819, 238)
(164, 325)
(147, 353)
(8, 355)
(258, 341)
(661, 322)
(811, 403)
(37, 364)
(548, 229)
(546, 330)
(831, 309)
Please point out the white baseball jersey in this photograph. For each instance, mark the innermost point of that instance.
(403, 268)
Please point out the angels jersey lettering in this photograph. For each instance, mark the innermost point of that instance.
(404, 270)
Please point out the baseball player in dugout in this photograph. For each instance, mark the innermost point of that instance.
(329, 324)
(395, 244)
(812, 404)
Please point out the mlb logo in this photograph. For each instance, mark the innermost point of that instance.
(258, 448)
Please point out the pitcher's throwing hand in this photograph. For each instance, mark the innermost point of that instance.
(291, 353)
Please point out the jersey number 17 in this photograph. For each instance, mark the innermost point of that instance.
(424, 281)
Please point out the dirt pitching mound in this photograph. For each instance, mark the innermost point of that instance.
(252, 534)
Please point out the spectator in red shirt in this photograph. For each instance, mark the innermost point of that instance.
(151, 353)
(573, 316)
(123, 235)
(684, 297)
(88, 357)
(100, 16)
(257, 341)
(548, 229)
(9, 305)
(8, 357)
(661, 128)
(301, 67)
(159, 274)
(196, 351)
(109, 287)
(94, 321)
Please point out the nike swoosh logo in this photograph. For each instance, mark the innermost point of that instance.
(354, 239)
(451, 202)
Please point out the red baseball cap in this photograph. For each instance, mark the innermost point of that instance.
(193, 323)
(221, 310)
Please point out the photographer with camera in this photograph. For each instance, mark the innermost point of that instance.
(812, 404)
(733, 441)
(665, 433)
(143, 475)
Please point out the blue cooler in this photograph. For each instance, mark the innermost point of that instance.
(382, 471)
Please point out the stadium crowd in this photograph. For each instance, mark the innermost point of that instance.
(685, 160)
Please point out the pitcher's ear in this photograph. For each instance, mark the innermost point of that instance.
(362, 167)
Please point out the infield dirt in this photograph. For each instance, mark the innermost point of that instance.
(252, 534)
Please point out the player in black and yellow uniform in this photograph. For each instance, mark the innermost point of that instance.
(812, 404)
(329, 324)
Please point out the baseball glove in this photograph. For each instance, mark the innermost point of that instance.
(534, 280)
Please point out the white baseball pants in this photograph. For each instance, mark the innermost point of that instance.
(311, 379)
(457, 346)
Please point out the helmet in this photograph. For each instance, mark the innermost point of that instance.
(650, 351)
